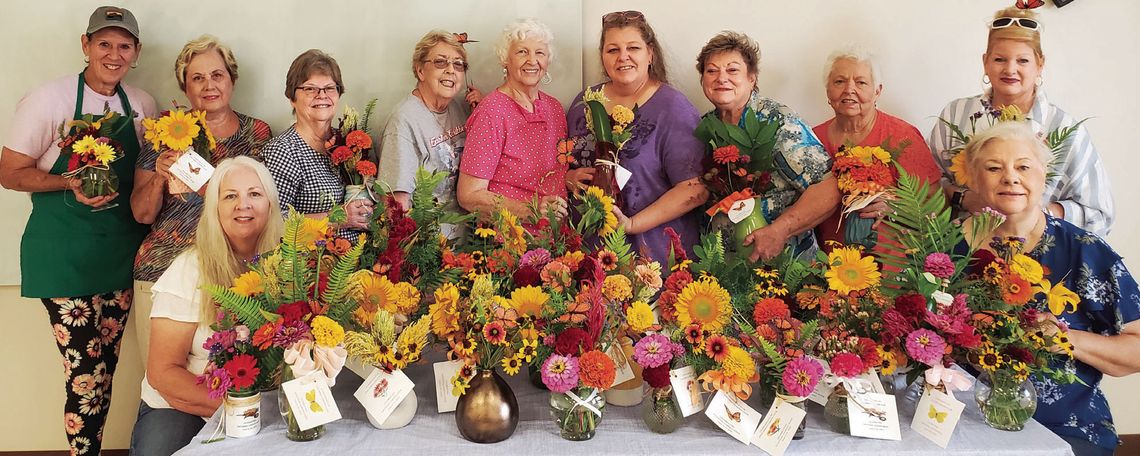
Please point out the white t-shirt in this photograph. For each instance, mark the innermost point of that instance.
(176, 297)
(35, 126)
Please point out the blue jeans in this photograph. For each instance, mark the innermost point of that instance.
(163, 431)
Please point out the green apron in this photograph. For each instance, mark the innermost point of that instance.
(67, 250)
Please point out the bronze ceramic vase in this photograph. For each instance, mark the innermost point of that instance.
(488, 412)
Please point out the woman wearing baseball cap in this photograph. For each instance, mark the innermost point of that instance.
(76, 260)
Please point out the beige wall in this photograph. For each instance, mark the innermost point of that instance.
(929, 51)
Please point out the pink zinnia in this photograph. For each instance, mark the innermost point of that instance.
(653, 350)
(847, 365)
(925, 346)
(217, 381)
(536, 258)
(801, 376)
(560, 373)
(940, 265)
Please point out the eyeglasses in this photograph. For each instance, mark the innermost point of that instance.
(441, 63)
(315, 91)
(621, 16)
(1003, 22)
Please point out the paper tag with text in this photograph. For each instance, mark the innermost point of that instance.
(444, 372)
(936, 416)
(819, 395)
(778, 428)
(732, 415)
(381, 392)
(192, 169)
(687, 390)
(311, 400)
(622, 176)
(874, 415)
(623, 372)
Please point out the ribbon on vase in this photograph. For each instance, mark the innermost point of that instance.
(855, 387)
(584, 403)
(954, 380)
(305, 357)
(725, 205)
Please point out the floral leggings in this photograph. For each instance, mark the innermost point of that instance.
(88, 330)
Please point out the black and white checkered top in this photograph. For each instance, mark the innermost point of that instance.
(305, 178)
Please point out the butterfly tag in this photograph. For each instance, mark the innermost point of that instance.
(192, 169)
(382, 391)
(733, 416)
(445, 400)
(311, 400)
(779, 427)
(936, 416)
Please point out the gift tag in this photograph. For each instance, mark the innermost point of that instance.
(741, 209)
(622, 175)
(821, 391)
(444, 372)
(687, 390)
(311, 400)
(192, 169)
(778, 428)
(732, 415)
(623, 372)
(874, 415)
(382, 391)
(871, 381)
(936, 416)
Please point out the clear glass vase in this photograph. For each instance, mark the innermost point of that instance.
(835, 411)
(1007, 402)
(577, 419)
(292, 430)
(661, 413)
(95, 181)
(801, 403)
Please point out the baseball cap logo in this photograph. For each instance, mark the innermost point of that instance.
(115, 16)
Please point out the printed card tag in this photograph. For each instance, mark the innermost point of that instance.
(382, 391)
(311, 400)
(192, 169)
(445, 371)
(687, 390)
(732, 415)
(623, 372)
(779, 427)
(936, 416)
(741, 209)
(622, 175)
(874, 415)
(819, 395)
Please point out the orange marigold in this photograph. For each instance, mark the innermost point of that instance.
(726, 154)
(596, 370)
(1016, 290)
(769, 309)
(358, 140)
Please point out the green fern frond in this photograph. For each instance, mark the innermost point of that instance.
(616, 243)
(247, 310)
(336, 292)
(368, 109)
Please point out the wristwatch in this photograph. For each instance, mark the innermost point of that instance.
(957, 198)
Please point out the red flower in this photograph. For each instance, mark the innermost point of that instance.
(596, 370)
(666, 305)
(571, 342)
(675, 245)
(1016, 290)
(263, 337)
(341, 154)
(1020, 354)
(677, 281)
(590, 271)
(869, 353)
(911, 306)
(694, 334)
(494, 333)
(847, 365)
(243, 371)
(366, 168)
(656, 377)
(980, 260)
(726, 154)
(769, 309)
(716, 347)
(294, 311)
(358, 140)
(527, 276)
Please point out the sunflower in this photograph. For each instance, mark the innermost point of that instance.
(248, 284)
(377, 292)
(990, 359)
(529, 300)
(716, 347)
(311, 231)
(850, 270)
(958, 169)
(705, 303)
(177, 130)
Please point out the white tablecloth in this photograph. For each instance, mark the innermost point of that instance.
(620, 432)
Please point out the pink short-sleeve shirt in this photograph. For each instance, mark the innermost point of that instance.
(516, 150)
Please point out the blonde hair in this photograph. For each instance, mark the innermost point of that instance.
(433, 38)
(217, 263)
(1019, 131)
(520, 30)
(198, 46)
(1032, 38)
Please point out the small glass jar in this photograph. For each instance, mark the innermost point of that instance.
(661, 413)
(577, 418)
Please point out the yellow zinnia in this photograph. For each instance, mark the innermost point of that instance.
(529, 300)
(738, 363)
(177, 130)
(704, 302)
(617, 288)
(407, 298)
(326, 332)
(1028, 268)
(850, 271)
(639, 317)
(248, 284)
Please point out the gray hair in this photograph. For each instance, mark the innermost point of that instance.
(520, 30)
(1007, 131)
(856, 53)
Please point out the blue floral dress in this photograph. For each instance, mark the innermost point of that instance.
(1109, 300)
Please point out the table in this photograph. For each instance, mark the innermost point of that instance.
(620, 432)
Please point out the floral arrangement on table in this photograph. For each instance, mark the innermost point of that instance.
(182, 130)
(611, 131)
(864, 174)
(349, 148)
(738, 170)
(233, 365)
(88, 144)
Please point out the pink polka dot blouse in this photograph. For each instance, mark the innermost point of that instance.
(516, 150)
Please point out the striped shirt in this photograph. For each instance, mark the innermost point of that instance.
(1081, 185)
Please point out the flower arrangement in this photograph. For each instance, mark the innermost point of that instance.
(386, 343)
(233, 365)
(90, 149)
(864, 174)
(182, 130)
(597, 211)
(611, 130)
(350, 146)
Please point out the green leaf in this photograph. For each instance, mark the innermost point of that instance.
(600, 119)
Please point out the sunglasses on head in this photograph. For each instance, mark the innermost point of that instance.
(1025, 23)
(623, 16)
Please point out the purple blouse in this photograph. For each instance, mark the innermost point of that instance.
(661, 152)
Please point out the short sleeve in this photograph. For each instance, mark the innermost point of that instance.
(800, 156)
(399, 156)
(176, 293)
(682, 151)
(486, 138)
(284, 169)
(34, 125)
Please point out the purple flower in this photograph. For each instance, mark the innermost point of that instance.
(217, 381)
(536, 258)
(801, 375)
(940, 265)
(220, 341)
(654, 350)
(560, 373)
(925, 346)
(290, 332)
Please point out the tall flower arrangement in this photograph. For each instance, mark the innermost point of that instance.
(864, 174)
(611, 130)
(350, 146)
